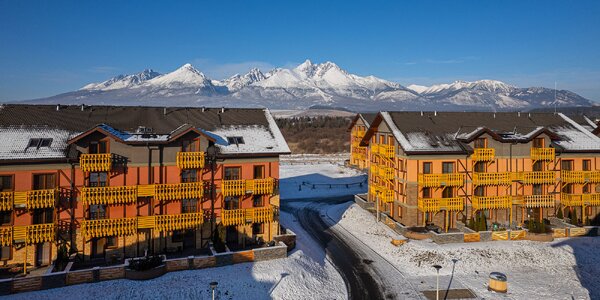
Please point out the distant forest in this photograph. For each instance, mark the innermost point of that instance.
(318, 135)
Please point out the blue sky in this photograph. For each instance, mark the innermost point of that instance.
(50, 47)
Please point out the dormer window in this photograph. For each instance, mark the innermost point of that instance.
(480, 143)
(39, 143)
(235, 140)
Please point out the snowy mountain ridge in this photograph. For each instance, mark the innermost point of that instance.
(307, 85)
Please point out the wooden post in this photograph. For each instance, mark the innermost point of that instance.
(25, 262)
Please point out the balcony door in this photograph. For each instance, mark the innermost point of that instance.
(98, 147)
(233, 173)
(190, 146)
(43, 182)
(447, 167)
(259, 172)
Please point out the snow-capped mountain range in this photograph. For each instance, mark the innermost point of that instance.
(306, 85)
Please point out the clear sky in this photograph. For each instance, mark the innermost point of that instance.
(50, 47)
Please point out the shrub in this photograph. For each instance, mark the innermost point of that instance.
(559, 214)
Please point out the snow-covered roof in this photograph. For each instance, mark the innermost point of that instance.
(14, 142)
(132, 125)
(449, 132)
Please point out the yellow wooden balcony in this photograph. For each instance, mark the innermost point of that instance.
(109, 227)
(436, 180)
(33, 234)
(535, 177)
(386, 173)
(580, 176)
(383, 150)
(241, 187)
(535, 201)
(439, 204)
(39, 198)
(501, 178)
(190, 160)
(542, 154)
(95, 162)
(179, 222)
(109, 195)
(6, 236)
(6, 201)
(177, 191)
(483, 154)
(580, 199)
(231, 217)
(491, 202)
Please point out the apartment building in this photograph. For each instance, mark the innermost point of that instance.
(358, 127)
(113, 182)
(444, 167)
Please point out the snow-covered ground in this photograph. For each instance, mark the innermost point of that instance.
(563, 269)
(310, 176)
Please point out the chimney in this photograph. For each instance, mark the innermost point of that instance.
(57, 107)
(494, 115)
(421, 113)
(165, 111)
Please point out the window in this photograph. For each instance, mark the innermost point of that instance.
(235, 140)
(479, 191)
(6, 183)
(232, 202)
(566, 165)
(257, 228)
(586, 189)
(189, 205)
(426, 168)
(587, 165)
(5, 217)
(233, 173)
(480, 143)
(447, 167)
(97, 211)
(98, 147)
(538, 143)
(538, 166)
(5, 253)
(98, 179)
(426, 192)
(448, 192)
(188, 146)
(568, 188)
(44, 181)
(257, 201)
(479, 167)
(111, 242)
(43, 215)
(189, 176)
(259, 172)
(537, 189)
(39, 143)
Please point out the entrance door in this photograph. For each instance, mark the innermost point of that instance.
(42, 254)
(232, 235)
(189, 239)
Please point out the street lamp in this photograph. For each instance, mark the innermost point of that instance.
(211, 159)
(437, 282)
(213, 287)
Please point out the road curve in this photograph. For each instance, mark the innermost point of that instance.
(366, 274)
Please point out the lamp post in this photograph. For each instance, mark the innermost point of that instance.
(213, 287)
(437, 282)
(211, 157)
(377, 204)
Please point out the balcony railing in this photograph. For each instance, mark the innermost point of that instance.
(241, 187)
(386, 151)
(190, 160)
(109, 195)
(231, 217)
(439, 204)
(33, 234)
(95, 162)
(580, 199)
(109, 227)
(6, 201)
(175, 191)
(6, 236)
(483, 154)
(580, 176)
(447, 179)
(491, 202)
(535, 177)
(536, 201)
(542, 154)
(179, 222)
(502, 178)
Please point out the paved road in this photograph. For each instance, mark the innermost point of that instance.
(367, 275)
